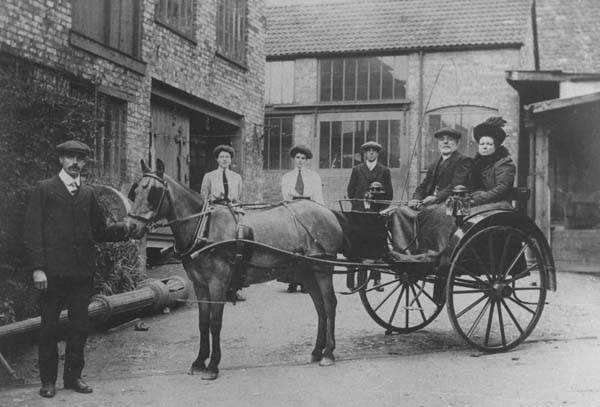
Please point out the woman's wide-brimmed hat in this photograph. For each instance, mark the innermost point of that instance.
(492, 127)
(301, 148)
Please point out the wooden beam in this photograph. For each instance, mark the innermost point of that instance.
(553, 104)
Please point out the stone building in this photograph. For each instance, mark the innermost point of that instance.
(171, 78)
(392, 71)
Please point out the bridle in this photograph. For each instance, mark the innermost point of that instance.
(150, 222)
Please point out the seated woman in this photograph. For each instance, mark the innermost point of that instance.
(493, 170)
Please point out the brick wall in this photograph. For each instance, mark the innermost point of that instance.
(38, 30)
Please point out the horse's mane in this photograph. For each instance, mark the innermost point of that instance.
(187, 195)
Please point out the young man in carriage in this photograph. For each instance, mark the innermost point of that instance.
(422, 225)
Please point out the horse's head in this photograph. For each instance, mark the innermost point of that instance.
(150, 200)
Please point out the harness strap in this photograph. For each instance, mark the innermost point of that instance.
(297, 221)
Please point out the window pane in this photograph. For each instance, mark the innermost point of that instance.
(394, 143)
(359, 139)
(287, 82)
(372, 130)
(326, 80)
(382, 138)
(350, 79)
(336, 144)
(400, 76)
(374, 79)
(337, 86)
(347, 139)
(274, 84)
(286, 142)
(324, 145)
(387, 77)
(362, 80)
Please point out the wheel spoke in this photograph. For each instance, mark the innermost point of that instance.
(512, 317)
(470, 307)
(489, 324)
(514, 261)
(491, 253)
(527, 289)
(396, 305)
(504, 252)
(520, 304)
(472, 275)
(461, 282)
(427, 294)
(501, 322)
(416, 299)
(478, 319)
(481, 290)
(387, 296)
(406, 310)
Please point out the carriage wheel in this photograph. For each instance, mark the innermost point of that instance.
(406, 303)
(496, 288)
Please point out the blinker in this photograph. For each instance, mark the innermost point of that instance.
(131, 194)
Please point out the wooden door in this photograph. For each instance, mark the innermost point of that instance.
(171, 140)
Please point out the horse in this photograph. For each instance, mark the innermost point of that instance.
(302, 227)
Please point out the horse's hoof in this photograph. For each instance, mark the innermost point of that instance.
(315, 358)
(196, 369)
(208, 375)
(326, 362)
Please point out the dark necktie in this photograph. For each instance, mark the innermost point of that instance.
(225, 187)
(300, 184)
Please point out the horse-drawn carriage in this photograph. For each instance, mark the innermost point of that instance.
(493, 275)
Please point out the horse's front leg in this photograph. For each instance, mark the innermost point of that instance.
(204, 311)
(217, 289)
(325, 282)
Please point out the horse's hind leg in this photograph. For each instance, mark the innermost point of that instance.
(204, 309)
(324, 280)
(310, 284)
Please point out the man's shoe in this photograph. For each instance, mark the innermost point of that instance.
(48, 390)
(376, 283)
(78, 385)
(291, 288)
(239, 298)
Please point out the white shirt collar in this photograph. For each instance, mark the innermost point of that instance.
(67, 179)
(371, 164)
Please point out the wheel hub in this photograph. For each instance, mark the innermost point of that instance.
(501, 290)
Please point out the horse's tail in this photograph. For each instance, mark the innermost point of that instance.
(346, 249)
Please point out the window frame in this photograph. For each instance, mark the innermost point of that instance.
(175, 26)
(329, 74)
(285, 161)
(391, 153)
(231, 17)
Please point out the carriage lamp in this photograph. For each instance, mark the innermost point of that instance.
(458, 204)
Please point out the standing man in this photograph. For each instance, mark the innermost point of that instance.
(225, 186)
(300, 183)
(363, 175)
(368, 172)
(423, 218)
(63, 221)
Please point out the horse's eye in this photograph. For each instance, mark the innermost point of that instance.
(131, 194)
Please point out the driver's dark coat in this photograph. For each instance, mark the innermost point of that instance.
(60, 230)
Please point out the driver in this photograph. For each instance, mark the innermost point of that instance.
(425, 215)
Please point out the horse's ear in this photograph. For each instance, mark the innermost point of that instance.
(145, 168)
(160, 167)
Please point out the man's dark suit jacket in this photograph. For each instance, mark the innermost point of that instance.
(444, 175)
(60, 230)
(361, 178)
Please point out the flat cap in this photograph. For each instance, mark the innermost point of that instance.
(301, 148)
(73, 146)
(371, 144)
(492, 127)
(223, 147)
(447, 131)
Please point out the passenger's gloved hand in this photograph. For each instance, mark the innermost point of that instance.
(415, 204)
